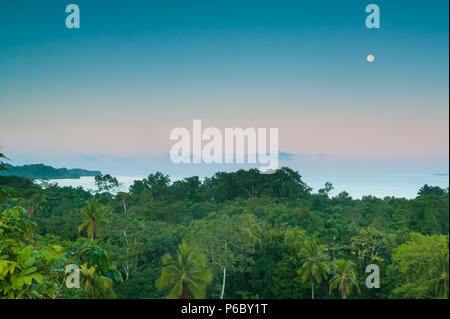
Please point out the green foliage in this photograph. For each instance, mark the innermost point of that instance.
(422, 265)
(93, 214)
(23, 268)
(258, 235)
(344, 277)
(98, 273)
(315, 263)
(427, 190)
(106, 183)
(187, 273)
(439, 275)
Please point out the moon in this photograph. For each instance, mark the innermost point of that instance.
(370, 58)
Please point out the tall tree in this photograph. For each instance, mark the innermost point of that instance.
(315, 266)
(253, 229)
(344, 277)
(439, 275)
(187, 272)
(93, 214)
(225, 241)
(106, 183)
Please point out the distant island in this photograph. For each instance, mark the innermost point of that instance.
(41, 171)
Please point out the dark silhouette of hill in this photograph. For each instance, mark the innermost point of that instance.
(41, 171)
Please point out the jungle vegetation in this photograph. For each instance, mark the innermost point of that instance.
(233, 235)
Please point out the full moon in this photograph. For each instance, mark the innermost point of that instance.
(370, 58)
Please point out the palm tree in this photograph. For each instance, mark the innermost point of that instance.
(252, 228)
(344, 277)
(439, 274)
(187, 272)
(93, 213)
(315, 266)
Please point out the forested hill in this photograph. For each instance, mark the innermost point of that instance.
(40, 171)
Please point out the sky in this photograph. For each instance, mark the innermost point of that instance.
(107, 95)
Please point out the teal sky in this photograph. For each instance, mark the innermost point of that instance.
(116, 87)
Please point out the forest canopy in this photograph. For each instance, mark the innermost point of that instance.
(233, 235)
